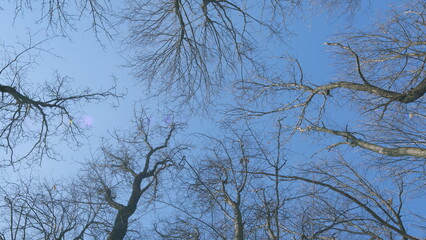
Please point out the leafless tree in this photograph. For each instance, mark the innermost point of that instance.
(223, 199)
(189, 48)
(31, 112)
(272, 197)
(382, 71)
(128, 172)
(216, 192)
(346, 201)
(55, 210)
(330, 199)
(62, 16)
(89, 205)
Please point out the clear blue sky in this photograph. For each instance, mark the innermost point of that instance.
(83, 59)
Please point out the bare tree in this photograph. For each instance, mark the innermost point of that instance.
(347, 203)
(188, 48)
(223, 199)
(62, 16)
(272, 197)
(82, 207)
(49, 210)
(32, 113)
(128, 172)
(383, 72)
(216, 189)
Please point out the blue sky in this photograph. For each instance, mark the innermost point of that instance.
(89, 64)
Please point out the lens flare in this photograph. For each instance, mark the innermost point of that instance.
(86, 121)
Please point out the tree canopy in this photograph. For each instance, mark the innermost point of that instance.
(283, 150)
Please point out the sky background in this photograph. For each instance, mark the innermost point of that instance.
(89, 64)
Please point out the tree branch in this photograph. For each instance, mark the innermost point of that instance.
(354, 141)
